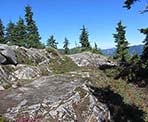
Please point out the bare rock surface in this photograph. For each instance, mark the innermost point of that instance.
(30, 91)
(54, 98)
(31, 64)
(24, 72)
(7, 55)
(1, 88)
(90, 59)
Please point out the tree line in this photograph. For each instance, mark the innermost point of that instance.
(25, 33)
(22, 33)
(132, 68)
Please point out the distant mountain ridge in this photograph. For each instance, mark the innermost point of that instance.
(135, 49)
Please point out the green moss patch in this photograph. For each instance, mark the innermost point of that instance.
(64, 65)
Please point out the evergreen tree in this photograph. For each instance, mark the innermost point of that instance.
(144, 55)
(21, 33)
(84, 39)
(51, 42)
(140, 68)
(2, 34)
(11, 33)
(96, 49)
(33, 37)
(134, 68)
(66, 49)
(129, 3)
(122, 44)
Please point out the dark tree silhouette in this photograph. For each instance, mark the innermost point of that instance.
(66, 43)
(122, 44)
(11, 33)
(21, 33)
(51, 42)
(84, 40)
(2, 34)
(129, 3)
(33, 37)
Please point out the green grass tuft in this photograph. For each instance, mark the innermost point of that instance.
(64, 65)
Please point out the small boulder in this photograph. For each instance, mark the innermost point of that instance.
(2, 88)
(7, 55)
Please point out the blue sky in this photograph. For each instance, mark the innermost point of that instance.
(64, 18)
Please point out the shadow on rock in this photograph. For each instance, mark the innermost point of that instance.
(120, 111)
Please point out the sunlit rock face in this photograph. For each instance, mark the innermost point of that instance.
(18, 64)
(7, 55)
(30, 90)
(55, 98)
(90, 59)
